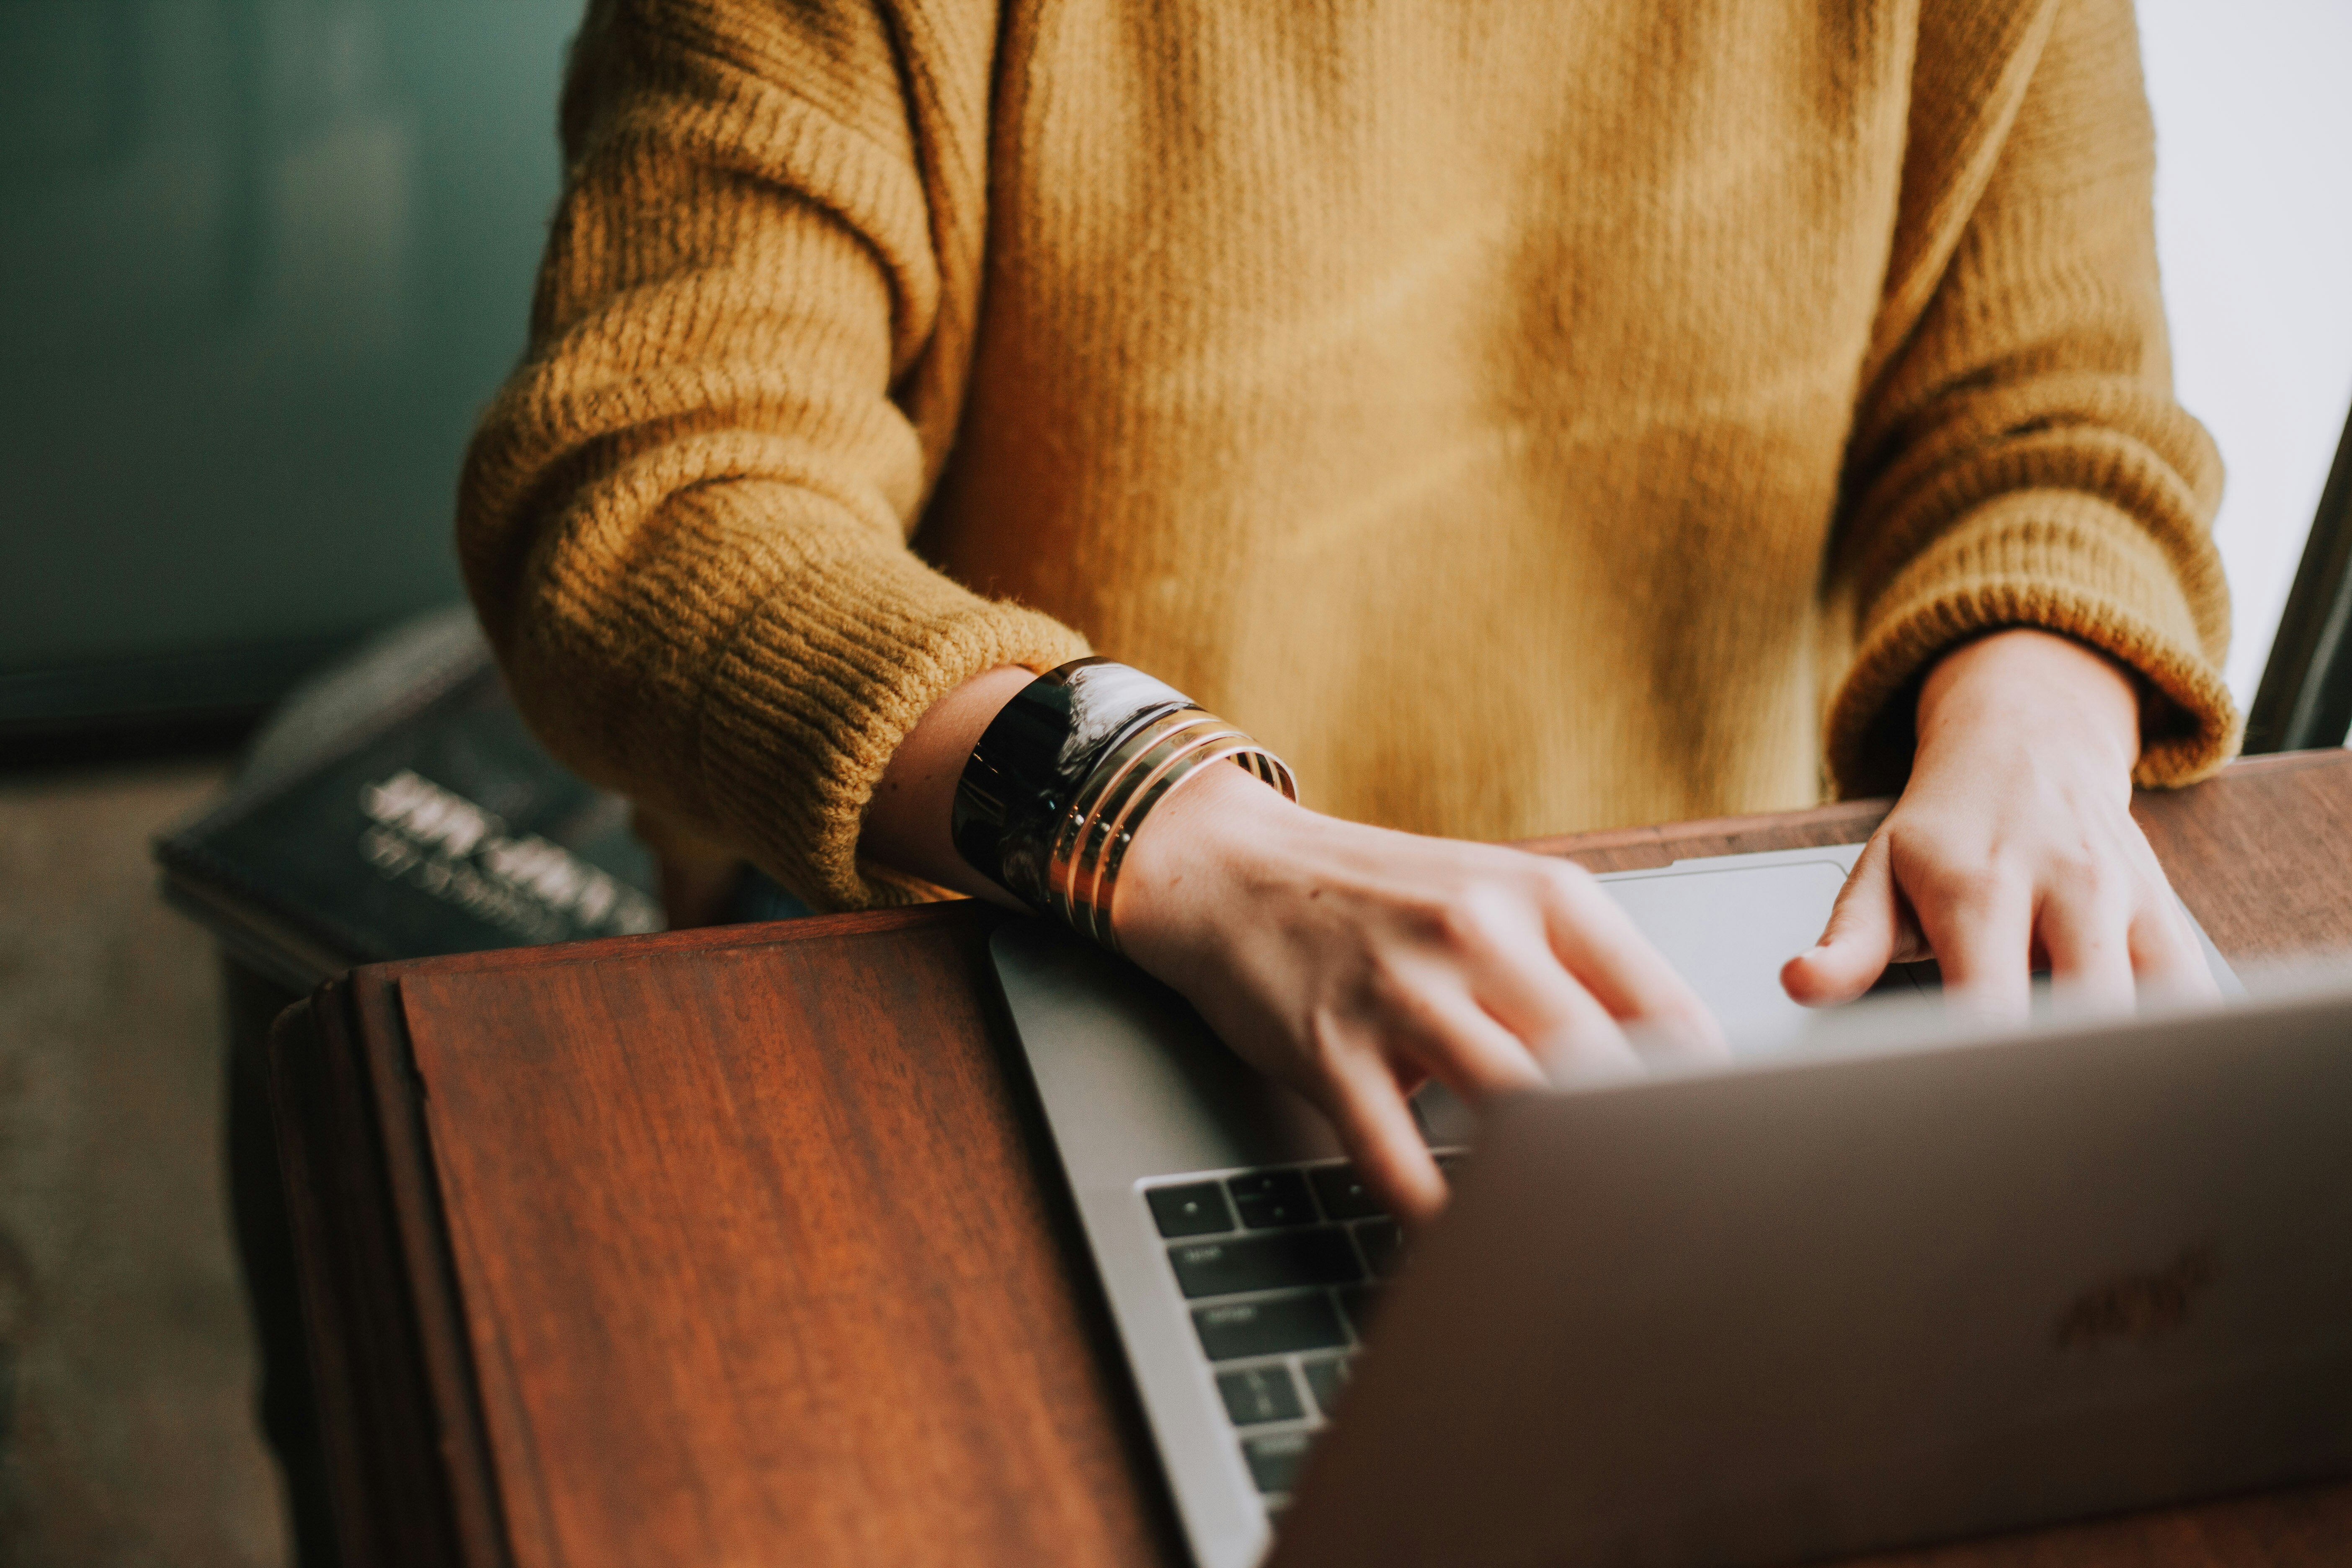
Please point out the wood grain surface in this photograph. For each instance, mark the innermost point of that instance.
(747, 1245)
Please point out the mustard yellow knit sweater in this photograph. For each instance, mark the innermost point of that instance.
(1522, 416)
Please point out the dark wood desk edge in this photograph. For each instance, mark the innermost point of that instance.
(381, 1299)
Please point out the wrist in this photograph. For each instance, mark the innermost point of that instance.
(1052, 794)
(2047, 688)
(1183, 858)
(907, 822)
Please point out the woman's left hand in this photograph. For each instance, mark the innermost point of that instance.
(2012, 847)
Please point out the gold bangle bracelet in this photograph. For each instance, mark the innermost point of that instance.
(1091, 894)
(1091, 842)
(1086, 817)
(1241, 750)
(1060, 781)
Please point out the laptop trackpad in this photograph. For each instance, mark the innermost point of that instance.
(1728, 930)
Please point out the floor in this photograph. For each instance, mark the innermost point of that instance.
(126, 1432)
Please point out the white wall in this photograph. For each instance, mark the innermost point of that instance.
(2253, 226)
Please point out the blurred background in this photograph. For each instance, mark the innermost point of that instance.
(260, 262)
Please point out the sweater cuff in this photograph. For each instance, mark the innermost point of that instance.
(2064, 563)
(814, 693)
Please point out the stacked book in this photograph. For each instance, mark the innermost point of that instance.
(397, 807)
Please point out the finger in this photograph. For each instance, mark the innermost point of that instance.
(1860, 939)
(1368, 1109)
(1587, 1044)
(1981, 929)
(2088, 940)
(1606, 954)
(2165, 952)
(1520, 983)
(1463, 1046)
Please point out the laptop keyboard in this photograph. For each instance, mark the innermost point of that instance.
(1279, 1268)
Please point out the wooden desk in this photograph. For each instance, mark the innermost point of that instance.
(747, 1245)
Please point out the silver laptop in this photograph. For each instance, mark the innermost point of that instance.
(1874, 1282)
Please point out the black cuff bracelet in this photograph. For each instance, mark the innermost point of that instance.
(1061, 778)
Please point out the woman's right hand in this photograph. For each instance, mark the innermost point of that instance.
(1351, 962)
(1356, 963)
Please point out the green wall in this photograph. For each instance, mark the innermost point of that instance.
(260, 261)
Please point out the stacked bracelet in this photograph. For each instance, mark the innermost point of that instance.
(1053, 794)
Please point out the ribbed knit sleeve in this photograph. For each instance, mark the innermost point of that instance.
(2018, 458)
(685, 520)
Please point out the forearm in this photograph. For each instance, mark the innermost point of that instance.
(908, 821)
(2025, 676)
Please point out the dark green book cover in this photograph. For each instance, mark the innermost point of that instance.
(442, 827)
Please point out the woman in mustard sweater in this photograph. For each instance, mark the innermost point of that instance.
(1518, 417)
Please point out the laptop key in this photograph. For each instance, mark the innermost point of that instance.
(1198, 1208)
(1271, 1327)
(1288, 1259)
(1273, 1459)
(1326, 1376)
(1258, 1394)
(1383, 1245)
(1357, 1301)
(1343, 1192)
(1270, 1198)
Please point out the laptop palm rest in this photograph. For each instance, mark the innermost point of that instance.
(1134, 1083)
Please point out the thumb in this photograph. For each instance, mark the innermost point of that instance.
(1858, 942)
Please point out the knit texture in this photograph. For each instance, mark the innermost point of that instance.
(1524, 418)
